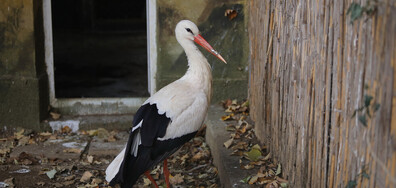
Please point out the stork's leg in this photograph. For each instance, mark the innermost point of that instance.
(166, 173)
(147, 173)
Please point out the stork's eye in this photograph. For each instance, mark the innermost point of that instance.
(189, 30)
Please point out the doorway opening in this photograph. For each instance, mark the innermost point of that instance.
(99, 48)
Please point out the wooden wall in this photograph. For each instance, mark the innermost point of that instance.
(309, 70)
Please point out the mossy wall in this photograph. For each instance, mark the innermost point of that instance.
(228, 37)
(23, 80)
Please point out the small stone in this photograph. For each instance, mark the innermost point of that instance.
(51, 173)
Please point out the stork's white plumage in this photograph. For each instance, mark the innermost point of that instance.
(170, 117)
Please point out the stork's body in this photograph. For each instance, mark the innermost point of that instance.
(170, 117)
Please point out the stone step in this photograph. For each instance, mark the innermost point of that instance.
(228, 166)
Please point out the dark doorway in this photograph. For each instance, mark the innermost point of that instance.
(100, 48)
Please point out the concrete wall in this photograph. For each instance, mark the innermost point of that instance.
(22, 72)
(228, 37)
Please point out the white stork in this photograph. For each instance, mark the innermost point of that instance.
(170, 117)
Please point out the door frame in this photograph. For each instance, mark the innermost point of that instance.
(108, 106)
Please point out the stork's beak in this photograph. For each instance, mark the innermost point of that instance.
(201, 41)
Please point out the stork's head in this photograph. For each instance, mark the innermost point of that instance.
(186, 31)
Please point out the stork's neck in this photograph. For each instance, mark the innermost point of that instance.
(199, 71)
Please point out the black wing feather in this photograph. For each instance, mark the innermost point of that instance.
(154, 125)
(151, 151)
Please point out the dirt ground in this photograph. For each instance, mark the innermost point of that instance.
(191, 166)
(67, 159)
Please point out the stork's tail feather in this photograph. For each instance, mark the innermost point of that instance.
(114, 166)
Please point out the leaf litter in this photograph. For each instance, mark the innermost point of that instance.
(191, 166)
(246, 146)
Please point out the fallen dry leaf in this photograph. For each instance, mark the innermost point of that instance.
(111, 138)
(40, 183)
(96, 181)
(57, 184)
(254, 154)
(86, 176)
(227, 103)
(281, 180)
(9, 182)
(4, 151)
(146, 182)
(31, 141)
(53, 137)
(237, 153)
(240, 145)
(228, 143)
(66, 129)
(245, 180)
(227, 117)
(197, 141)
(253, 180)
(83, 132)
(204, 175)
(278, 170)
(245, 104)
(260, 175)
(23, 140)
(67, 183)
(198, 156)
(68, 178)
(55, 115)
(243, 135)
(92, 132)
(103, 133)
(284, 185)
(270, 172)
(184, 157)
(235, 135)
(262, 169)
(248, 167)
(45, 134)
(242, 129)
(230, 128)
(272, 184)
(257, 163)
(268, 156)
(234, 102)
(263, 180)
(18, 135)
(90, 158)
(177, 179)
